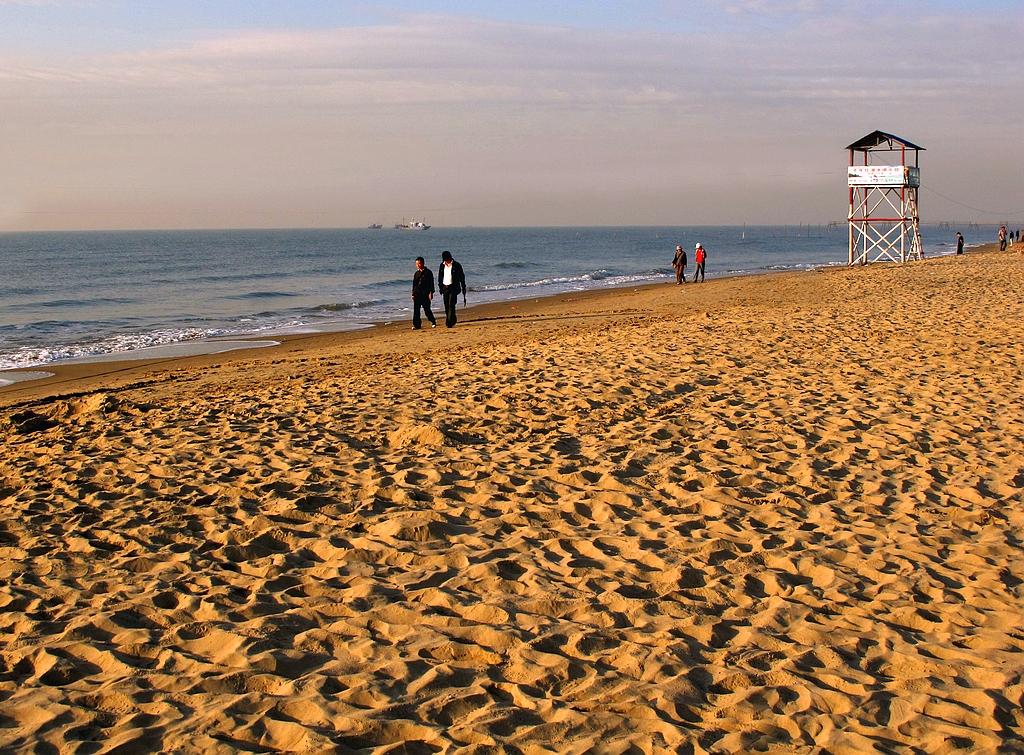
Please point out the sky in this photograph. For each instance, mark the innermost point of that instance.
(249, 113)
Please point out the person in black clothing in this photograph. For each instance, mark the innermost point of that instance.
(959, 243)
(451, 279)
(422, 293)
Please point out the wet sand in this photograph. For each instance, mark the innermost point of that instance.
(776, 512)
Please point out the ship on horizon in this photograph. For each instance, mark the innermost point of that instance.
(416, 225)
(375, 226)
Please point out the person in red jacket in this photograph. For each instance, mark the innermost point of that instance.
(699, 256)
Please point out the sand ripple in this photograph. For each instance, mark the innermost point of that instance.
(786, 515)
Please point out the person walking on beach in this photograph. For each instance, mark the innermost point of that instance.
(1002, 238)
(700, 257)
(959, 243)
(451, 279)
(679, 265)
(422, 293)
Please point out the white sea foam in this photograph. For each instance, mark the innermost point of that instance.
(29, 356)
(601, 277)
(172, 350)
(555, 281)
(126, 347)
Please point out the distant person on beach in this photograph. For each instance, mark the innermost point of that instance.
(451, 279)
(422, 293)
(679, 264)
(959, 243)
(1002, 238)
(700, 257)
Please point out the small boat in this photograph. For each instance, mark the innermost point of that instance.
(375, 226)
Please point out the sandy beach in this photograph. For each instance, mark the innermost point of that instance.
(779, 513)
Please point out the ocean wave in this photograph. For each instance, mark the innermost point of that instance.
(645, 277)
(31, 356)
(18, 290)
(64, 303)
(791, 266)
(391, 282)
(263, 295)
(596, 275)
(55, 325)
(511, 265)
(347, 306)
(602, 278)
(229, 277)
(783, 267)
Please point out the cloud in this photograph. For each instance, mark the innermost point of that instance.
(397, 112)
(437, 60)
(775, 7)
(45, 3)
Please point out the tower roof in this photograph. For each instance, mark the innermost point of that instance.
(876, 138)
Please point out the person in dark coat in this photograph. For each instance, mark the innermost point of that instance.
(451, 280)
(422, 293)
(679, 265)
(959, 243)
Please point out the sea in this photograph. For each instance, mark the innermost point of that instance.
(75, 296)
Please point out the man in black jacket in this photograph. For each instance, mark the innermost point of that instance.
(451, 280)
(422, 293)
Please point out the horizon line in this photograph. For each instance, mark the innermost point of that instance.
(183, 229)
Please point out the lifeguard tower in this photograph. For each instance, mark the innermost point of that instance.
(883, 218)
